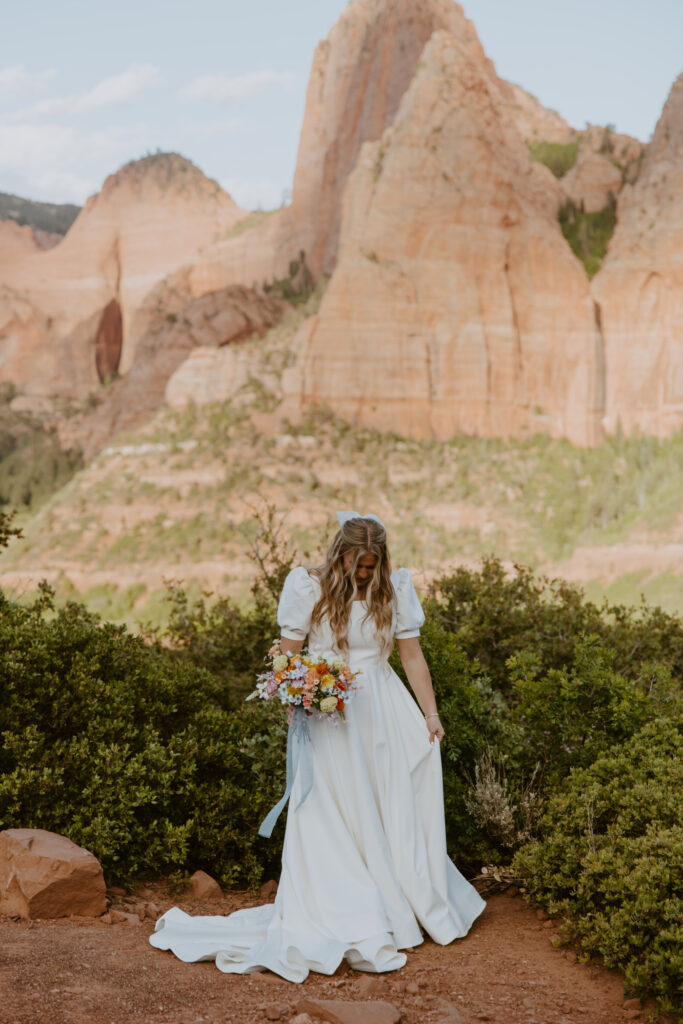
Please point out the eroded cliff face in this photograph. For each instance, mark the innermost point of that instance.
(456, 304)
(640, 288)
(150, 218)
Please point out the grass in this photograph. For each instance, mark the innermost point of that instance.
(533, 501)
(588, 234)
(558, 157)
(252, 220)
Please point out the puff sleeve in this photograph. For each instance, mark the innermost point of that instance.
(297, 601)
(409, 614)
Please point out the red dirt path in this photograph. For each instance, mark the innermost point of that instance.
(506, 971)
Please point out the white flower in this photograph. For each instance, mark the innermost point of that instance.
(280, 662)
(328, 704)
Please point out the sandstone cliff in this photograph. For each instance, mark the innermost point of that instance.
(606, 161)
(640, 288)
(456, 304)
(150, 218)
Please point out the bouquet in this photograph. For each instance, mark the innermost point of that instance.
(317, 681)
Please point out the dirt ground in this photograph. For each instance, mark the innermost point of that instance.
(506, 971)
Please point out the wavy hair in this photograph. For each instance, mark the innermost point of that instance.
(338, 588)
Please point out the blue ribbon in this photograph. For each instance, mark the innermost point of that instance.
(299, 758)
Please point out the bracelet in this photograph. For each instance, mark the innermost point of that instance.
(427, 717)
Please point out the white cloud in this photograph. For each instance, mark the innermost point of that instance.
(225, 89)
(215, 127)
(18, 79)
(110, 91)
(57, 162)
(251, 195)
(27, 146)
(64, 187)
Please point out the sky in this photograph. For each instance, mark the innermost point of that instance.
(87, 86)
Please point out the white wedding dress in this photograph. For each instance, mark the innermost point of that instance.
(364, 862)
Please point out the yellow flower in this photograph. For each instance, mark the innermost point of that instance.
(328, 704)
(327, 682)
(305, 661)
(291, 689)
(280, 662)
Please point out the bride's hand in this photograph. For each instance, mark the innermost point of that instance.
(435, 728)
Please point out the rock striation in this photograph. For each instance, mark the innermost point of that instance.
(639, 288)
(43, 874)
(456, 304)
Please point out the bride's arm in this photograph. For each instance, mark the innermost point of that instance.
(288, 646)
(417, 671)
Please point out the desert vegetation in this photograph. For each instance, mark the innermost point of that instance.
(56, 218)
(588, 234)
(33, 464)
(559, 157)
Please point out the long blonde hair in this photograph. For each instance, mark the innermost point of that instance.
(338, 588)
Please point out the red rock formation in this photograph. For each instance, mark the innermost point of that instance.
(605, 162)
(149, 219)
(43, 874)
(456, 304)
(171, 324)
(108, 341)
(16, 242)
(533, 121)
(640, 288)
(359, 75)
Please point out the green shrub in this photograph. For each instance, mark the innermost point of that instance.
(128, 751)
(32, 463)
(557, 156)
(610, 859)
(588, 234)
(567, 717)
(496, 615)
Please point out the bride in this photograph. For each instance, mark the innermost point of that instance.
(364, 864)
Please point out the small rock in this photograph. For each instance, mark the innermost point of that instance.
(369, 986)
(632, 1004)
(448, 1014)
(123, 917)
(204, 887)
(631, 1014)
(106, 918)
(301, 1018)
(412, 988)
(337, 1011)
(152, 911)
(115, 890)
(268, 890)
(272, 1013)
(570, 955)
(541, 915)
(548, 923)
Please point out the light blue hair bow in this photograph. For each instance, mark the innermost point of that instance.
(343, 517)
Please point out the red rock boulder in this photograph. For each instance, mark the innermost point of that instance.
(43, 874)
